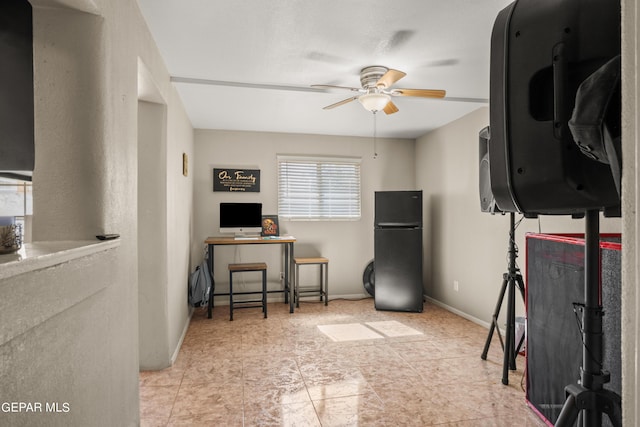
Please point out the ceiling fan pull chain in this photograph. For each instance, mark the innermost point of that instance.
(375, 137)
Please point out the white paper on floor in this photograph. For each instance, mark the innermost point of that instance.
(348, 332)
(392, 328)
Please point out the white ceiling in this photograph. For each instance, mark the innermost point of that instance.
(253, 61)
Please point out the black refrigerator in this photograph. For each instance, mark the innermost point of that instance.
(398, 250)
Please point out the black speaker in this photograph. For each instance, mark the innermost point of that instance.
(487, 201)
(541, 52)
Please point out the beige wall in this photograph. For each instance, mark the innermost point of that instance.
(165, 206)
(84, 184)
(347, 244)
(179, 189)
(630, 239)
(462, 243)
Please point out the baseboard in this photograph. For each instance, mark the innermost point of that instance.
(458, 312)
(174, 356)
(351, 296)
(224, 300)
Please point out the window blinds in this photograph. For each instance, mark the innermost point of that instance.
(318, 188)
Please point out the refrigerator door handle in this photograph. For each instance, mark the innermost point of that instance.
(398, 225)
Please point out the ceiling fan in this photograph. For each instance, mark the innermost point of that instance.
(376, 91)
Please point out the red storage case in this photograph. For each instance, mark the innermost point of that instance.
(555, 286)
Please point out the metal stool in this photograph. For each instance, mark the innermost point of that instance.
(250, 303)
(323, 290)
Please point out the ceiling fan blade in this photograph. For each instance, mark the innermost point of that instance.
(441, 62)
(390, 77)
(326, 57)
(337, 104)
(394, 42)
(390, 108)
(424, 93)
(352, 89)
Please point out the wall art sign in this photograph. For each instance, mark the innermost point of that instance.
(236, 180)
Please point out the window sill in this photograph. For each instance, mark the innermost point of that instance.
(40, 255)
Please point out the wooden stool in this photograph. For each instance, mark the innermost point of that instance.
(250, 303)
(323, 290)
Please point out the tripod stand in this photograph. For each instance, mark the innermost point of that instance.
(587, 400)
(510, 280)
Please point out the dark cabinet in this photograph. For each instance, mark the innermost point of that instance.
(16, 87)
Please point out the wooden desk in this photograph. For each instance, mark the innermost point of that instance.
(287, 241)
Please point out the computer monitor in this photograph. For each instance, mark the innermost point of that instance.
(241, 218)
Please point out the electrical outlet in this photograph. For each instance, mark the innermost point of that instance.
(281, 276)
(456, 286)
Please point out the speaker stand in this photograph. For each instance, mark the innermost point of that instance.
(510, 280)
(588, 400)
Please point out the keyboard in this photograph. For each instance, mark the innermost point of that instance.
(246, 238)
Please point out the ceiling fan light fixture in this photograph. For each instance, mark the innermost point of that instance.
(374, 101)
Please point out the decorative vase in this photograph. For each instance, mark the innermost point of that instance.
(10, 238)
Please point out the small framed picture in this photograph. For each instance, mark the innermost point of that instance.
(270, 226)
(185, 164)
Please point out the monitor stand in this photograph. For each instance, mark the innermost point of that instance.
(243, 236)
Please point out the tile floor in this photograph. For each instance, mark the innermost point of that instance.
(412, 369)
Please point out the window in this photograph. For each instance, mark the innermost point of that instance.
(16, 201)
(318, 188)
